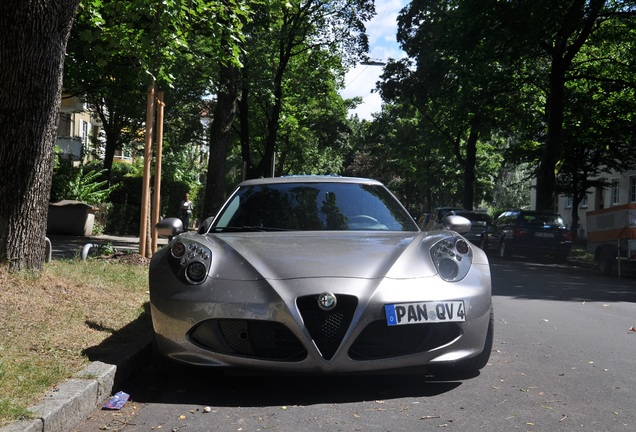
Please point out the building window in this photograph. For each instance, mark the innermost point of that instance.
(583, 203)
(568, 202)
(615, 192)
(632, 189)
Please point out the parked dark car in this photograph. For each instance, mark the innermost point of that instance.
(480, 223)
(530, 233)
(435, 220)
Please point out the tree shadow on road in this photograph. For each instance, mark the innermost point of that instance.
(548, 281)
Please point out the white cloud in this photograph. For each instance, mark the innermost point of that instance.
(382, 46)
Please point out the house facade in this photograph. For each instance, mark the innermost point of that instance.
(79, 133)
(622, 191)
(77, 129)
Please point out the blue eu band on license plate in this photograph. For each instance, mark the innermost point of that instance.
(425, 312)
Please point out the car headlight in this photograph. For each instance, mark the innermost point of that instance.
(452, 257)
(195, 272)
(190, 260)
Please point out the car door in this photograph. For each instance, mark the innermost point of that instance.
(494, 233)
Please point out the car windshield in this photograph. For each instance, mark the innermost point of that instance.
(543, 219)
(313, 207)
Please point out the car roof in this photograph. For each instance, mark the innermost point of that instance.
(536, 212)
(309, 179)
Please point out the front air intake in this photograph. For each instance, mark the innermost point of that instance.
(327, 327)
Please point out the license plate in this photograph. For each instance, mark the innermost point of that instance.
(425, 312)
(544, 234)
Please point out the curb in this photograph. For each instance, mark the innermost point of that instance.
(72, 401)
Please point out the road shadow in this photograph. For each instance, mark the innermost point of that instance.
(128, 348)
(202, 386)
(545, 280)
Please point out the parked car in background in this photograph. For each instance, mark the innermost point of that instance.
(320, 274)
(435, 220)
(530, 233)
(480, 223)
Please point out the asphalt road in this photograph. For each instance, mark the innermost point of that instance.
(563, 360)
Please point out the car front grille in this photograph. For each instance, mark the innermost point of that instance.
(266, 340)
(379, 341)
(327, 327)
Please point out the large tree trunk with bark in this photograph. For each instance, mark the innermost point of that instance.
(32, 47)
(469, 167)
(546, 177)
(220, 129)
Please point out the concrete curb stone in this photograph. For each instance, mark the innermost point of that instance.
(75, 399)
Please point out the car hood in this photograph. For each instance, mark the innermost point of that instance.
(315, 255)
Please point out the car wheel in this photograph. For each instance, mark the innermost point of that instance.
(160, 363)
(478, 362)
(504, 250)
(604, 264)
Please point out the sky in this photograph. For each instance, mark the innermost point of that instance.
(382, 46)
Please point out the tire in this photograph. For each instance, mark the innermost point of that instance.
(468, 368)
(161, 364)
(560, 258)
(605, 264)
(478, 362)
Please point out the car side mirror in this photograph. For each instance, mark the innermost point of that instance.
(456, 223)
(169, 227)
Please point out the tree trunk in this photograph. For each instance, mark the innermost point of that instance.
(546, 177)
(244, 119)
(220, 129)
(578, 24)
(469, 168)
(264, 168)
(32, 47)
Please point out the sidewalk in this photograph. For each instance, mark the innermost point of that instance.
(68, 247)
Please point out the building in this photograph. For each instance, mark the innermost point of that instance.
(622, 191)
(80, 136)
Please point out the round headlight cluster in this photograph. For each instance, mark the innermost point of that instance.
(178, 250)
(452, 257)
(191, 260)
(195, 272)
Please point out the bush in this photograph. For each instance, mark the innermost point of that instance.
(73, 183)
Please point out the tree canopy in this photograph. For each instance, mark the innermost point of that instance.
(489, 90)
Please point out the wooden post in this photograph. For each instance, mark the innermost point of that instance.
(145, 189)
(156, 203)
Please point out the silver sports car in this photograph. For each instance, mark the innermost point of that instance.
(320, 274)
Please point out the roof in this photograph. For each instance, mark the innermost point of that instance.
(309, 179)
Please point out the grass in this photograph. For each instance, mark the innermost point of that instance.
(580, 253)
(54, 324)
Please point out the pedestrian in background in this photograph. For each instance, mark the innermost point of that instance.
(185, 211)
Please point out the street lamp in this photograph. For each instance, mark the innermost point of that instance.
(373, 62)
